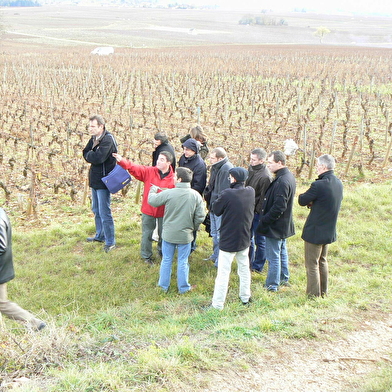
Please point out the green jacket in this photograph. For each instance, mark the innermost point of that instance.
(184, 211)
(6, 265)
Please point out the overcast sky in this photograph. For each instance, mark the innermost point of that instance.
(368, 6)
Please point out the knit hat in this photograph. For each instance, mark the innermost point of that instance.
(239, 173)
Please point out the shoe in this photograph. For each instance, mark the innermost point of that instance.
(285, 283)
(208, 307)
(248, 302)
(36, 325)
(149, 261)
(272, 288)
(93, 239)
(190, 289)
(108, 248)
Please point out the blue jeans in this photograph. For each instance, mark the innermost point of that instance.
(183, 252)
(278, 263)
(257, 247)
(104, 224)
(215, 234)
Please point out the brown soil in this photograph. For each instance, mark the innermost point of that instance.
(314, 366)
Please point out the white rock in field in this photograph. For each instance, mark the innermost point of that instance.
(290, 147)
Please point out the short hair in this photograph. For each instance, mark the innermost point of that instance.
(99, 119)
(161, 136)
(219, 152)
(184, 173)
(327, 160)
(278, 156)
(197, 133)
(260, 152)
(169, 157)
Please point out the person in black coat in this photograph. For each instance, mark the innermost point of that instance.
(98, 152)
(193, 161)
(235, 205)
(161, 143)
(8, 308)
(324, 198)
(276, 221)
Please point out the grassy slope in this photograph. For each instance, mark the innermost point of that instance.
(106, 314)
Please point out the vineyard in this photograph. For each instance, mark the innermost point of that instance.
(327, 99)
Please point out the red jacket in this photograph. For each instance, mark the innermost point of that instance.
(150, 175)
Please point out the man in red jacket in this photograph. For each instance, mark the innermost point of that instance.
(162, 176)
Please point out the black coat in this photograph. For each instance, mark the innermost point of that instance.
(236, 206)
(6, 264)
(259, 179)
(324, 198)
(276, 216)
(166, 146)
(199, 168)
(101, 159)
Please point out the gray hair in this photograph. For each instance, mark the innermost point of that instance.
(260, 153)
(327, 160)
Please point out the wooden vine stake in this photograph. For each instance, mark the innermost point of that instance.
(311, 164)
(387, 154)
(85, 192)
(331, 146)
(32, 202)
(351, 155)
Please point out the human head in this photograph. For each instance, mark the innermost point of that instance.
(97, 125)
(239, 174)
(197, 133)
(164, 161)
(160, 138)
(276, 161)
(190, 147)
(217, 154)
(325, 163)
(184, 174)
(257, 156)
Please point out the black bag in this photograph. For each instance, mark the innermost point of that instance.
(117, 179)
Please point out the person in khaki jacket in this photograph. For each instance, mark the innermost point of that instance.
(184, 212)
(8, 308)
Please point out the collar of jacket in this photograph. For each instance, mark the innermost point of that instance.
(236, 185)
(219, 164)
(98, 139)
(281, 171)
(183, 185)
(327, 173)
(257, 167)
(187, 159)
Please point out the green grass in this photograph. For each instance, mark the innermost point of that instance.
(110, 328)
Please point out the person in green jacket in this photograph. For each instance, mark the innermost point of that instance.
(184, 212)
(8, 308)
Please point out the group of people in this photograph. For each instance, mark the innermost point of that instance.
(250, 211)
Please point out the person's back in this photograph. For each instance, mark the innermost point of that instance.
(235, 205)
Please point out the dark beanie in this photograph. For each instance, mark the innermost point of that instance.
(239, 173)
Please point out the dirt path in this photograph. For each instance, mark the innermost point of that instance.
(315, 366)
